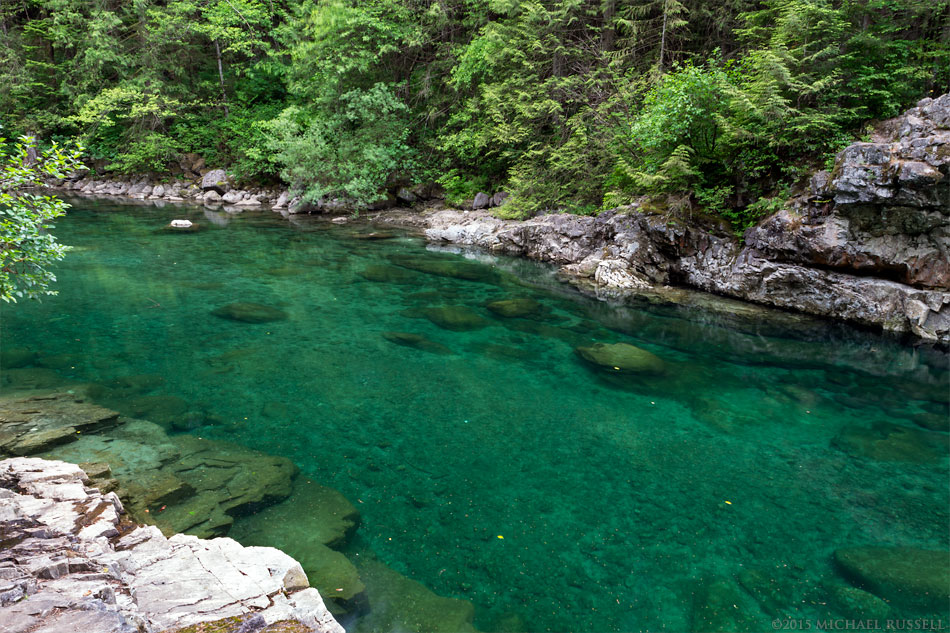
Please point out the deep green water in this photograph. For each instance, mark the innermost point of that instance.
(619, 498)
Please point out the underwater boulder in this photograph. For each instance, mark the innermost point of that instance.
(857, 603)
(14, 357)
(456, 318)
(621, 357)
(887, 442)
(520, 307)
(307, 525)
(398, 603)
(161, 408)
(249, 313)
(387, 274)
(416, 341)
(721, 607)
(456, 269)
(904, 575)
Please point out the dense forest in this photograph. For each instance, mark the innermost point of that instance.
(576, 105)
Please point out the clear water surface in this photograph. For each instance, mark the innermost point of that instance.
(767, 443)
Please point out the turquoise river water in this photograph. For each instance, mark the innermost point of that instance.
(488, 460)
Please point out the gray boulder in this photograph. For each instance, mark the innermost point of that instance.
(482, 201)
(405, 196)
(216, 180)
(282, 200)
(233, 197)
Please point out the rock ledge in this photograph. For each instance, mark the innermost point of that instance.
(71, 562)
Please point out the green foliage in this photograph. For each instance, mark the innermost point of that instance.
(27, 250)
(348, 155)
(745, 218)
(566, 105)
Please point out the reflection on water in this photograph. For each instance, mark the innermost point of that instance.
(442, 395)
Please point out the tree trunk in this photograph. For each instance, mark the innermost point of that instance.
(609, 34)
(224, 94)
(663, 34)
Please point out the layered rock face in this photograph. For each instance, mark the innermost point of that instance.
(869, 243)
(71, 562)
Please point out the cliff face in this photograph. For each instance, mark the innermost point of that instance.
(869, 243)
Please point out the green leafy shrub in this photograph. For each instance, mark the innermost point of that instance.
(349, 155)
(27, 249)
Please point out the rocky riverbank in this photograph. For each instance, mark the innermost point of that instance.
(869, 243)
(72, 561)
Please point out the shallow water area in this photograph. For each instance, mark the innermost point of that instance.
(707, 487)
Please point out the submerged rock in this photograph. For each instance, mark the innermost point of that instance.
(388, 274)
(857, 603)
(512, 308)
(12, 358)
(181, 483)
(374, 236)
(456, 318)
(307, 525)
(720, 607)
(457, 269)
(31, 378)
(416, 341)
(31, 425)
(903, 575)
(164, 409)
(888, 442)
(621, 357)
(249, 313)
(400, 604)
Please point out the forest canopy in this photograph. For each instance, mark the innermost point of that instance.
(572, 105)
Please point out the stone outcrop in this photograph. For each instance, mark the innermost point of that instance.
(869, 243)
(72, 562)
(179, 483)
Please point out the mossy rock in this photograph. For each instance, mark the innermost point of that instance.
(249, 313)
(31, 378)
(856, 603)
(163, 409)
(61, 361)
(886, 442)
(455, 318)
(416, 341)
(139, 383)
(909, 576)
(388, 274)
(622, 357)
(720, 607)
(314, 513)
(242, 624)
(310, 521)
(455, 269)
(374, 236)
(503, 352)
(12, 358)
(400, 604)
(933, 421)
(521, 307)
